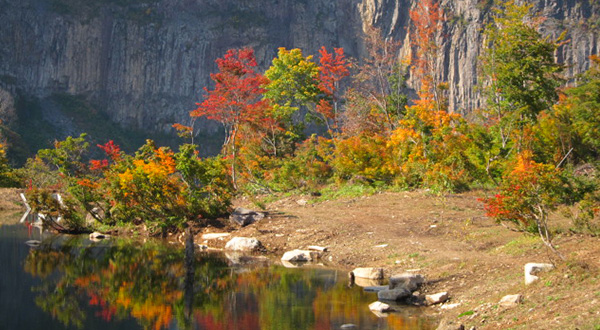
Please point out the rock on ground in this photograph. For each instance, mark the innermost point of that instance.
(534, 268)
(243, 216)
(437, 298)
(244, 244)
(511, 300)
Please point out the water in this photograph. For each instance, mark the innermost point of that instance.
(69, 282)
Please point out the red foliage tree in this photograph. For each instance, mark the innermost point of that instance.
(426, 19)
(334, 67)
(236, 98)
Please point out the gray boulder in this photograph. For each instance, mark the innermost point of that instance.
(394, 295)
(243, 217)
(410, 282)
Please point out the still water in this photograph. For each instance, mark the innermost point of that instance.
(69, 282)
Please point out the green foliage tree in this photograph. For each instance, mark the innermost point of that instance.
(520, 77)
(8, 177)
(584, 103)
(294, 83)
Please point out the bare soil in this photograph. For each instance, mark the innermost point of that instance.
(450, 241)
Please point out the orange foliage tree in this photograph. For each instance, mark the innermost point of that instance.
(426, 21)
(334, 67)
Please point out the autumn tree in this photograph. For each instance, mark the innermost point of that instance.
(293, 83)
(377, 99)
(333, 68)
(426, 19)
(236, 98)
(583, 111)
(520, 72)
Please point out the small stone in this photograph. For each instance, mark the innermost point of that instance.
(98, 236)
(245, 244)
(437, 298)
(348, 326)
(534, 268)
(369, 272)
(380, 246)
(511, 300)
(302, 202)
(378, 306)
(394, 295)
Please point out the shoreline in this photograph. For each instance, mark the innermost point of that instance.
(444, 238)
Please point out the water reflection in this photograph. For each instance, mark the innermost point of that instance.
(161, 287)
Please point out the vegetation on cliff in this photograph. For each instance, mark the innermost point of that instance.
(528, 142)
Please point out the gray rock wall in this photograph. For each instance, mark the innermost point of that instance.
(145, 62)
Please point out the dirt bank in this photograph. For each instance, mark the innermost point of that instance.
(450, 241)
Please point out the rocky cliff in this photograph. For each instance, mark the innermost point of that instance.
(144, 63)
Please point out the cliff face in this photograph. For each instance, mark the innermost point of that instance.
(144, 63)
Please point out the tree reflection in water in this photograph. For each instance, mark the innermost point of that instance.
(164, 287)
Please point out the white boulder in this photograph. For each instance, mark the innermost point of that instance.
(244, 244)
(369, 273)
(535, 268)
(437, 298)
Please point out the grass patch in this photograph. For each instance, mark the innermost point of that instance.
(520, 246)
(467, 313)
(346, 191)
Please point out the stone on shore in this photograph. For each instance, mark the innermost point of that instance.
(408, 281)
(380, 307)
(243, 216)
(368, 273)
(98, 236)
(394, 294)
(300, 255)
(244, 244)
(437, 298)
(535, 268)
